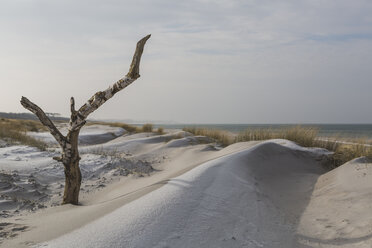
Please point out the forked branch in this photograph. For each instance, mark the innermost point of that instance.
(69, 144)
(102, 96)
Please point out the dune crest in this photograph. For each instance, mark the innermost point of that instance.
(251, 198)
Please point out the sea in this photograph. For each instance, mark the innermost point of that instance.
(355, 131)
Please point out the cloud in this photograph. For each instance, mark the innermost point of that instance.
(207, 61)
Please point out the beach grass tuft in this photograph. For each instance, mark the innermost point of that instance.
(14, 131)
(147, 128)
(223, 137)
(130, 128)
(160, 130)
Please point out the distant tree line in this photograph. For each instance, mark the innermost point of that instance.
(29, 116)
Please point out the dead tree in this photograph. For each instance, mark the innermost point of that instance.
(69, 143)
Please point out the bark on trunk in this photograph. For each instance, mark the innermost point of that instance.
(69, 144)
(72, 184)
(72, 169)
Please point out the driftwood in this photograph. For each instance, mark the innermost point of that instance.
(69, 143)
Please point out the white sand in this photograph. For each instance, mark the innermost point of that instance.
(104, 187)
(339, 211)
(254, 194)
(93, 134)
(243, 199)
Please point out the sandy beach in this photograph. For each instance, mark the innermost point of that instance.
(180, 190)
(186, 124)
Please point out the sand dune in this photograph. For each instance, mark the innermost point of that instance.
(338, 214)
(251, 198)
(252, 194)
(93, 134)
(110, 170)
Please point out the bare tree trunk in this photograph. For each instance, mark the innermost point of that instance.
(72, 170)
(69, 143)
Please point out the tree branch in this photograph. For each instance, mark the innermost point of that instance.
(72, 106)
(134, 67)
(44, 119)
(102, 96)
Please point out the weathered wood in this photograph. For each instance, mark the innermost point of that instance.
(44, 119)
(72, 106)
(102, 96)
(134, 66)
(72, 169)
(69, 144)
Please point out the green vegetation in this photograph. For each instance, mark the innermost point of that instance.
(307, 137)
(14, 131)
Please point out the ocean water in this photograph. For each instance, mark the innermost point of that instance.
(325, 130)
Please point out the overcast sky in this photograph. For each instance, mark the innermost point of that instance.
(248, 61)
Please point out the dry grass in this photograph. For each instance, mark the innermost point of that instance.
(147, 128)
(304, 136)
(130, 128)
(256, 134)
(14, 131)
(23, 125)
(346, 152)
(127, 127)
(223, 137)
(173, 137)
(160, 130)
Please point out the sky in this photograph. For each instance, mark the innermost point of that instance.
(222, 61)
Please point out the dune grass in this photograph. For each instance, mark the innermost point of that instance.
(14, 131)
(160, 130)
(127, 127)
(223, 137)
(146, 128)
(347, 152)
(303, 136)
(23, 125)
